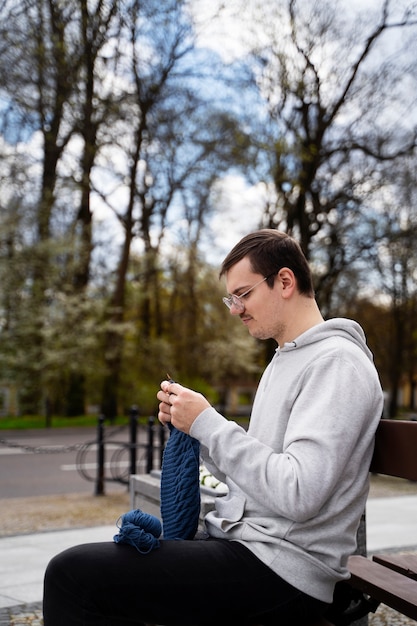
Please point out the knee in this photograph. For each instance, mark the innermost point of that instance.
(55, 563)
(63, 590)
(59, 570)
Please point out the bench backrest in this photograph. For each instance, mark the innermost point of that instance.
(396, 449)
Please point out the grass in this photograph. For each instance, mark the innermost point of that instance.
(27, 422)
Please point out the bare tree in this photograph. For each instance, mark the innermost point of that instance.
(98, 106)
(41, 70)
(396, 265)
(168, 138)
(111, 92)
(337, 91)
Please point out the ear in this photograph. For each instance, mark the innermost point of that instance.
(288, 282)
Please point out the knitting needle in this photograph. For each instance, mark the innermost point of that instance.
(170, 380)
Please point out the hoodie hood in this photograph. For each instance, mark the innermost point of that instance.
(336, 327)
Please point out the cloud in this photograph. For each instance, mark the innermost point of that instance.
(239, 211)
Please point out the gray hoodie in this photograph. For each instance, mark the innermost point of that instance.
(299, 477)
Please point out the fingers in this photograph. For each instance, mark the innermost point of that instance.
(170, 387)
(163, 396)
(179, 405)
(164, 414)
(165, 386)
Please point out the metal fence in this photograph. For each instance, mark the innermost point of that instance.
(108, 459)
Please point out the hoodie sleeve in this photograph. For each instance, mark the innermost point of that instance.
(299, 449)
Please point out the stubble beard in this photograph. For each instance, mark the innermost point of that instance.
(264, 333)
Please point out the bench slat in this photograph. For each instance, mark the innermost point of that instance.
(385, 585)
(405, 564)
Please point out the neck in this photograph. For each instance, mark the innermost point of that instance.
(305, 316)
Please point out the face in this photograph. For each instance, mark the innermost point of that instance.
(262, 314)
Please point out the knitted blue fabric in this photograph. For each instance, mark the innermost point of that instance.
(180, 498)
(180, 486)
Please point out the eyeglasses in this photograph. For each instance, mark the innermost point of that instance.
(236, 301)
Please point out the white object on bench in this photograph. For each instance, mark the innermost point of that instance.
(145, 495)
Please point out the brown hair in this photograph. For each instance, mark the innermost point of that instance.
(268, 251)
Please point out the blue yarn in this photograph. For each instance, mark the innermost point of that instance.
(180, 486)
(140, 530)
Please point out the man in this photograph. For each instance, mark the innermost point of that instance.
(298, 478)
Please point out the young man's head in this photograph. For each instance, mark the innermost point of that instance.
(270, 286)
(269, 251)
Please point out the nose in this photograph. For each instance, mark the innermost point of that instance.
(236, 309)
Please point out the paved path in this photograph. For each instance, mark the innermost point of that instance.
(25, 557)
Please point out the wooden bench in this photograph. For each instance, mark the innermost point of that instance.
(387, 579)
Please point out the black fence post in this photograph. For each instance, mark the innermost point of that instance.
(100, 457)
(162, 432)
(134, 414)
(149, 456)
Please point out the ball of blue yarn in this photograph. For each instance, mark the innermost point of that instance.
(140, 530)
(148, 522)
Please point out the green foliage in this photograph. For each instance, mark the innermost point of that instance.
(27, 422)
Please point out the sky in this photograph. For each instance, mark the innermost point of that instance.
(239, 213)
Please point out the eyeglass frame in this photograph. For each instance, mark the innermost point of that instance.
(236, 301)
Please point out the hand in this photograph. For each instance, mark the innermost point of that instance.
(180, 405)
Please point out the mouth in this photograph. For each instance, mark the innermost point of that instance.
(246, 320)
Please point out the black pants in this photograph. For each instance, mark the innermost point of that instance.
(182, 583)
